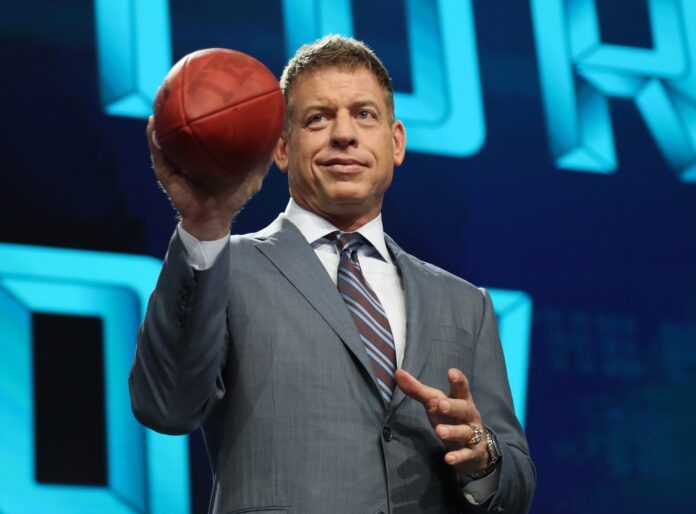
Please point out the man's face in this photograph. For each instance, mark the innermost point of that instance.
(342, 146)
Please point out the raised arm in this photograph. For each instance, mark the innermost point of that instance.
(175, 379)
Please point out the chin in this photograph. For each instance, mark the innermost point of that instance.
(348, 202)
(347, 193)
(349, 207)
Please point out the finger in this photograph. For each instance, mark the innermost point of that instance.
(461, 456)
(162, 166)
(153, 133)
(459, 384)
(414, 388)
(150, 131)
(155, 150)
(258, 175)
(461, 434)
(463, 411)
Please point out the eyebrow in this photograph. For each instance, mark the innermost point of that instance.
(319, 106)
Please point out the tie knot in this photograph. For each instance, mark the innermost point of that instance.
(348, 241)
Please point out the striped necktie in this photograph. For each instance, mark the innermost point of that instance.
(367, 312)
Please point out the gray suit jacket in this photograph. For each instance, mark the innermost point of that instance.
(261, 351)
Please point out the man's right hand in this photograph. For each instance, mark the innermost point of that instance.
(206, 209)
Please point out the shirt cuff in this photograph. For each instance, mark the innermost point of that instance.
(201, 255)
(479, 491)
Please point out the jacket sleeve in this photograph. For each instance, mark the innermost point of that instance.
(175, 379)
(491, 392)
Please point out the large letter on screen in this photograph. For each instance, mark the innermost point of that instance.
(579, 72)
(444, 113)
(147, 471)
(134, 49)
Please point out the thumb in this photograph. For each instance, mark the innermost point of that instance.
(164, 168)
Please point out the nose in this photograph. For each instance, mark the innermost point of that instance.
(343, 132)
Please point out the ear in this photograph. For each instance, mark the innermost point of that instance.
(399, 142)
(280, 153)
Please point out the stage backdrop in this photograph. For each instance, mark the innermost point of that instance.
(552, 159)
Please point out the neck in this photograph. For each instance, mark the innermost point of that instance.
(349, 224)
(345, 222)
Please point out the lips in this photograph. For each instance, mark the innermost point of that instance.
(345, 166)
(343, 161)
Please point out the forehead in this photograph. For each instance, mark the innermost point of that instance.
(336, 85)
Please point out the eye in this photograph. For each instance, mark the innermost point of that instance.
(365, 115)
(316, 118)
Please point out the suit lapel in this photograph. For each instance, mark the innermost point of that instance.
(423, 303)
(287, 249)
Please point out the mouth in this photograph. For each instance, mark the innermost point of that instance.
(343, 165)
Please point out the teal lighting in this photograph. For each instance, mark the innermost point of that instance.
(444, 113)
(514, 311)
(134, 53)
(147, 471)
(578, 73)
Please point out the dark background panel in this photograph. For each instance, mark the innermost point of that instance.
(608, 260)
(69, 424)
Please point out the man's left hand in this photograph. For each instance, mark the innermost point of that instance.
(452, 418)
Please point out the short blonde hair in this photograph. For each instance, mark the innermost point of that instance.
(334, 51)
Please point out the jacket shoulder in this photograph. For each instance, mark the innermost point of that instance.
(446, 278)
(249, 240)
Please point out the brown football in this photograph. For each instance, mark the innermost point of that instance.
(218, 113)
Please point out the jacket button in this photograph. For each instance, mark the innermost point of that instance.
(387, 433)
(379, 512)
(498, 508)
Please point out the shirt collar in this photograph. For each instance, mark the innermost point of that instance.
(313, 227)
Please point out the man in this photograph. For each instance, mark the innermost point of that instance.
(330, 370)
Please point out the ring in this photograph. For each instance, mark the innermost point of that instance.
(476, 436)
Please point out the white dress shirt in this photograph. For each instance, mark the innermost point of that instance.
(379, 271)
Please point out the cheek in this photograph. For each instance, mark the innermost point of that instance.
(303, 178)
(384, 153)
(386, 180)
(303, 155)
